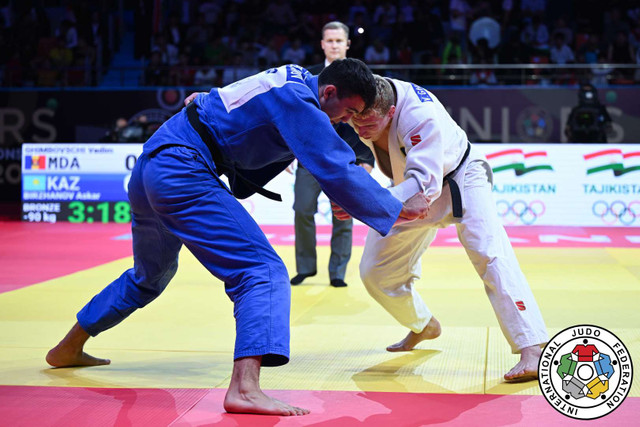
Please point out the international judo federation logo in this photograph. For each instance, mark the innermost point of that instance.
(534, 124)
(585, 372)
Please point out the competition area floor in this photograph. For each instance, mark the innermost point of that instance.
(171, 361)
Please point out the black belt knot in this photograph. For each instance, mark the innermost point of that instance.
(218, 158)
(456, 197)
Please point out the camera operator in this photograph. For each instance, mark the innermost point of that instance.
(114, 134)
(136, 130)
(589, 121)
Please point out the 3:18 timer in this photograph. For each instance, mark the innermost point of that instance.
(77, 211)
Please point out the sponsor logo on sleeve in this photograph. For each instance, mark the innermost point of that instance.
(296, 73)
(422, 93)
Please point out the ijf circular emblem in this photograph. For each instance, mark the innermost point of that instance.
(585, 372)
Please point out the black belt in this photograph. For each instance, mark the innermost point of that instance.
(218, 158)
(456, 197)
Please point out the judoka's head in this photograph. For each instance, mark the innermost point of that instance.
(346, 87)
(371, 123)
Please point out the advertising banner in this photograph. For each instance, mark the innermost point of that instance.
(534, 184)
(568, 184)
(503, 114)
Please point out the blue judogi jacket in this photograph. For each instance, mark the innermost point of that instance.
(262, 123)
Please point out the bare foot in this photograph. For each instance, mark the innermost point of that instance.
(256, 402)
(245, 396)
(70, 351)
(527, 368)
(431, 331)
(62, 357)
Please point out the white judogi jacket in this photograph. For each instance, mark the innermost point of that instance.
(432, 141)
(435, 146)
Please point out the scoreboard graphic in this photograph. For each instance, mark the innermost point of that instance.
(594, 185)
(77, 182)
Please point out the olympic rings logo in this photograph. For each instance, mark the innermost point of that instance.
(520, 211)
(617, 211)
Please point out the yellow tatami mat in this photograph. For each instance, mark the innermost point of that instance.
(185, 338)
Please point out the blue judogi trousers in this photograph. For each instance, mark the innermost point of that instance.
(176, 198)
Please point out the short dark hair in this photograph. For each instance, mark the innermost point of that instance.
(351, 77)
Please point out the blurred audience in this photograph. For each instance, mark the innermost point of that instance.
(64, 43)
(377, 53)
(535, 35)
(295, 53)
(620, 51)
(560, 53)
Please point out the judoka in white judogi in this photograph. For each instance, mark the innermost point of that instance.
(419, 146)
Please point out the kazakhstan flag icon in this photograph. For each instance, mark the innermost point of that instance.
(34, 183)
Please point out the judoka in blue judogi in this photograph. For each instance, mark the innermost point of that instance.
(250, 131)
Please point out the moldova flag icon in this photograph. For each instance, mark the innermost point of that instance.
(35, 162)
(34, 183)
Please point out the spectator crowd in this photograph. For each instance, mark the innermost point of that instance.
(45, 45)
(215, 42)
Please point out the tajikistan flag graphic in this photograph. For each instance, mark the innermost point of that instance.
(521, 162)
(535, 160)
(605, 160)
(631, 162)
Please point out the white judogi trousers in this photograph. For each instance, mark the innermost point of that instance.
(391, 264)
